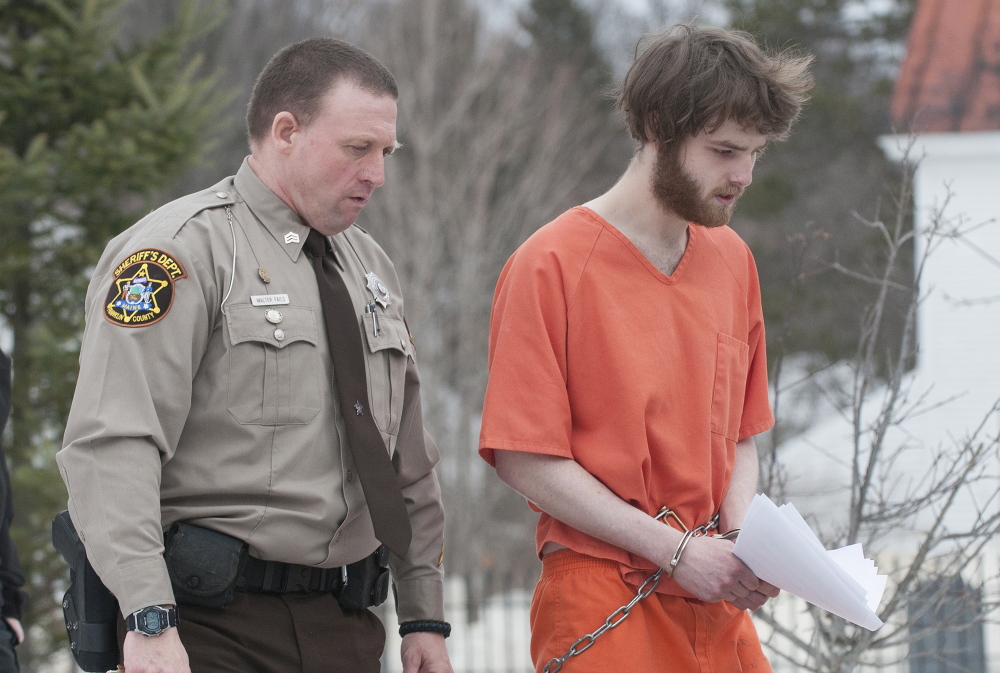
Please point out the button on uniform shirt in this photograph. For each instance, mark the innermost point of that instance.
(206, 395)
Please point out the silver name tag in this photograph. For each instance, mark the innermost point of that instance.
(268, 299)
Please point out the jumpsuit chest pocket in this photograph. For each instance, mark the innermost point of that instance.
(387, 358)
(274, 366)
(732, 365)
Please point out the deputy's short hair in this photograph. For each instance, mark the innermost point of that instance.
(692, 78)
(298, 76)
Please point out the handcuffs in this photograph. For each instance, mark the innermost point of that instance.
(666, 513)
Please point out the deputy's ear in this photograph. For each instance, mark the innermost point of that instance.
(283, 130)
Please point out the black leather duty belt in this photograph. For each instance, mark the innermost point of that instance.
(282, 578)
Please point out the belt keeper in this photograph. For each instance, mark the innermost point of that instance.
(677, 553)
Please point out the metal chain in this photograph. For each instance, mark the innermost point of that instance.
(645, 590)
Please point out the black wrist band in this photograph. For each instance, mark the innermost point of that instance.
(428, 625)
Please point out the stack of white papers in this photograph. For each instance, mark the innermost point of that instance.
(779, 547)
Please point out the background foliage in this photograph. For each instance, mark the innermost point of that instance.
(89, 128)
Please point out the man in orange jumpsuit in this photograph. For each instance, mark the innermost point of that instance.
(628, 372)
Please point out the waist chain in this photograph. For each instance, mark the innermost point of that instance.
(645, 589)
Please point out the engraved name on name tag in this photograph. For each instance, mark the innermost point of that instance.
(268, 299)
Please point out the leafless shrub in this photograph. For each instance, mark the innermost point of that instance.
(935, 504)
(496, 142)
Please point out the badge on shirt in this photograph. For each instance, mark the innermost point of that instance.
(142, 288)
(380, 292)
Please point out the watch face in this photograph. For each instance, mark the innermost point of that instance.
(152, 621)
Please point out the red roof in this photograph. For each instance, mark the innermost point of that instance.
(950, 79)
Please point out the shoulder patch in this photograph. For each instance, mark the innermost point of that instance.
(142, 288)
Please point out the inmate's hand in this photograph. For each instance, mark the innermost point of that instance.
(709, 570)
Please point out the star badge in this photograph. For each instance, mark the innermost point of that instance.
(380, 292)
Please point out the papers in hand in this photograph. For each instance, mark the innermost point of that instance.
(779, 547)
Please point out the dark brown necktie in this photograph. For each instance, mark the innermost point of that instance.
(378, 478)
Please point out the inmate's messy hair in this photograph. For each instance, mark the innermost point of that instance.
(692, 78)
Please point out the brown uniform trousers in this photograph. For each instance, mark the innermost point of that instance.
(280, 633)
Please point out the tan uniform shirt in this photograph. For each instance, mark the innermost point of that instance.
(192, 405)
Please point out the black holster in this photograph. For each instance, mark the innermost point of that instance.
(367, 582)
(89, 608)
(203, 564)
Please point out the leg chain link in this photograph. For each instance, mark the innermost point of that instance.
(645, 590)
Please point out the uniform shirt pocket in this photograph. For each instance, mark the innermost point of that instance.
(731, 367)
(387, 355)
(274, 367)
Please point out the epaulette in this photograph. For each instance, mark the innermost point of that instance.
(142, 284)
(170, 217)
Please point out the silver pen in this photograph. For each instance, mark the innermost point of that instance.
(373, 309)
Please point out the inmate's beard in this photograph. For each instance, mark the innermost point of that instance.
(678, 192)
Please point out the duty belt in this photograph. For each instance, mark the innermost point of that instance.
(281, 578)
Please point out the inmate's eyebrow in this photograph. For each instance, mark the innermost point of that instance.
(736, 146)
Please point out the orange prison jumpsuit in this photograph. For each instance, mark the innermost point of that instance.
(647, 381)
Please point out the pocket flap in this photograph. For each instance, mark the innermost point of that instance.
(249, 323)
(392, 334)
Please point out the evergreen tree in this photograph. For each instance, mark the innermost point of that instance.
(89, 126)
(564, 33)
(807, 189)
(563, 38)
